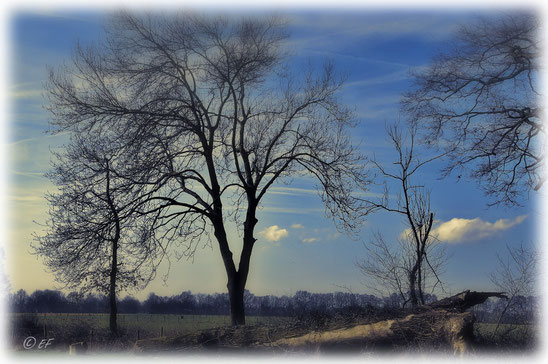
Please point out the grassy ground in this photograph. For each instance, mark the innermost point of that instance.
(68, 328)
(506, 338)
(201, 330)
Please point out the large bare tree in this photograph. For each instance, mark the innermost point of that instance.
(210, 103)
(95, 238)
(480, 101)
(404, 270)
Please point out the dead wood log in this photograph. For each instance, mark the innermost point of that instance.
(439, 325)
(435, 329)
(464, 300)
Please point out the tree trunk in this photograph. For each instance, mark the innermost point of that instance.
(508, 302)
(419, 276)
(237, 278)
(412, 286)
(235, 288)
(464, 300)
(114, 266)
(112, 293)
(424, 327)
(434, 329)
(236, 298)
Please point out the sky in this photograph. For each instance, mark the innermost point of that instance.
(298, 247)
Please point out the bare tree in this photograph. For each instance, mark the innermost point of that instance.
(209, 103)
(516, 275)
(479, 101)
(413, 203)
(94, 239)
(387, 268)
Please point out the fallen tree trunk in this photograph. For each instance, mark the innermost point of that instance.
(436, 329)
(440, 325)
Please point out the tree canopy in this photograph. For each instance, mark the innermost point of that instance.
(207, 114)
(479, 101)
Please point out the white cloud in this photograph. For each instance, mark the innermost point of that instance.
(460, 230)
(328, 30)
(331, 54)
(293, 210)
(35, 175)
(25, 90)
(396, 76)
(28, 198)
(25, 94)
(273, 233)
(297, 226)
(310, 240)
(292, 191)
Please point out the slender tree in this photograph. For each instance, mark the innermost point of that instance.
(517, 275)
(413, 203)
(211, 104)
(387, 269)
(94, 239)
(480, 102)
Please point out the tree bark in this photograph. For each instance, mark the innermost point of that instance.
(419, 277)
(236, 297)
(112, 293)
(236, 284)
(412, 285)
(114, 264)
(464, 300)
(433, 329)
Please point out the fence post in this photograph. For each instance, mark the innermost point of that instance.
(90, 338)
(138, 335)
(45, 331)
(162, 331)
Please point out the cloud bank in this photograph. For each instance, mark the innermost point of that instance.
(273, 233)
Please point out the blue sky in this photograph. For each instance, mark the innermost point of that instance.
(298, 247)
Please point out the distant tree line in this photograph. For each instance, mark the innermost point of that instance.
(522, 309)
(201, 304)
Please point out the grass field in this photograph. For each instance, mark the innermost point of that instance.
(93, 329)
(507, 336)
(67, 328)
(171, 324)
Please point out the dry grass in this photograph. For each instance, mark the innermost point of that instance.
(507, 338)
(94, 328)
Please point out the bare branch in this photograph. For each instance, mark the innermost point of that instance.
(479, 103)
